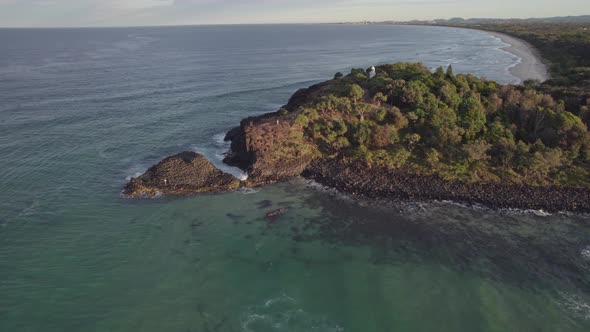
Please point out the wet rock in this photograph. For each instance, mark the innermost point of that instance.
(276, 213)
(378, 182)
(185, 173)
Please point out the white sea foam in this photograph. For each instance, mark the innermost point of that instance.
(216, 153)
(31, 209)
(248, 191)
(219, 138)
(135, 171)
(576, 305)
(329, 190)
(282, 298)
(282, 313)
(586, 253)
(538, 213)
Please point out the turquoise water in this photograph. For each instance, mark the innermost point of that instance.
(82, 110)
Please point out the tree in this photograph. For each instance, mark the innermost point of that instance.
(448, 94)
(356, 93)
(301, 120)
(384, 136)
(432, 156)
(473, 118)
(361, 109)
(504, 151)
(379, 114)
(413, 93)
(380, 98)
(362, 134)
(412, 140)
(400, 121)
(439, 73)
(585, 148)
(571, 129)
(450, 71)
(443, 128)
(476, 151)
(496, 131)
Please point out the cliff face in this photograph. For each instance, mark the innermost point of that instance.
(184, 173)
(269, 148)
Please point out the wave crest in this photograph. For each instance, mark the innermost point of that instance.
(283, 313)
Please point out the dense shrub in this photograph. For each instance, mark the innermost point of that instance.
(458, 125)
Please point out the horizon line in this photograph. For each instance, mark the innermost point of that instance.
(279, 23)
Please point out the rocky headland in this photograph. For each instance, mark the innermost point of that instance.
(375, 138)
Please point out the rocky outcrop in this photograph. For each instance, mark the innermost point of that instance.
(303, 96)
(184, 173)
(273, 148)
(270, 148)
(360, 179)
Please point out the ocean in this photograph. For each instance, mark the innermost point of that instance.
(83, 110)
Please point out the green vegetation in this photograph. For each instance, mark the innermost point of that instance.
(459, 127)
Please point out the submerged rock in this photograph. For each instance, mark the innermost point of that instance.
(181, 174)
(276, 213)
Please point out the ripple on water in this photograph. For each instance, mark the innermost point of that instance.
(586, 253)
(248, 191)
(283, 313)
(576, 305)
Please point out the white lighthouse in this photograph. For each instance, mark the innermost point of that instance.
(372, 72)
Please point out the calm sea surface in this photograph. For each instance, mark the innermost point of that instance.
(81, 110)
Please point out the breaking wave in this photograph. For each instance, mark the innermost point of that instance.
(283, 313)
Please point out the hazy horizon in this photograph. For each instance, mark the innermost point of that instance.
(108, 13)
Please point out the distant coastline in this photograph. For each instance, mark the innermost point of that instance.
(531, 65)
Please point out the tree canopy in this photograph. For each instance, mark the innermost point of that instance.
(457, 126)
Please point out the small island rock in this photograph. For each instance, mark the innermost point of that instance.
(181, 174)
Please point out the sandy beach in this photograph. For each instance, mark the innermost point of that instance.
(531, 66)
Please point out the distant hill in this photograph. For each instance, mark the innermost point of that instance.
(460, 20)
(564, 19)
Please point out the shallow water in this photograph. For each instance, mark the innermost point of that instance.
(83, 109)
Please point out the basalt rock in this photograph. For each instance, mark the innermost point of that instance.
(184, 173)
(265, 147)
(360, 179)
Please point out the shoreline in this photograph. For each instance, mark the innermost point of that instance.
(531, 65)
(381, 183)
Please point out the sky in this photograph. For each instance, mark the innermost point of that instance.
(60, 13)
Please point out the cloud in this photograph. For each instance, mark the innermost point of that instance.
(156, 12)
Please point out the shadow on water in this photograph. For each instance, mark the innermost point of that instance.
(518, 247)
